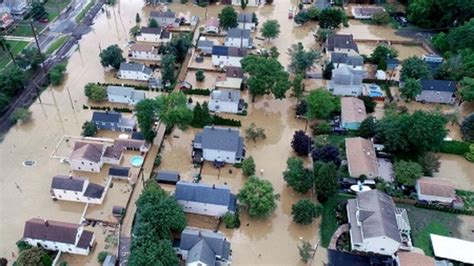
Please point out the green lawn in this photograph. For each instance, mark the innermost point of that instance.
(22, 30)
(15, 47)
(55, 45)
(467, 198)
(84, 11)
(329, 223)
(423, 239)
(55, 7)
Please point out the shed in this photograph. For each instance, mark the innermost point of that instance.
(453, 248)
(168, 177)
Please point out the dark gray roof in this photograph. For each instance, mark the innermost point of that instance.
(111, 117)
(345, 76)
(68, 183)
(149, 30)
(159, 14)
(88, 151)
(119, 171)
(238, 33)
(51, 230)
(135, 67)
(234, 72)
(393, 61)
(322, 4)
(438, 85)
(376, 215)
(230, 51)
(216, 241)
(171, 176)
(220, 138)
(203, 193)
(245, 17)
(343, 58)
(138, 135)
(94, 191)
(202, 252)
(341, 41)
(205, 43)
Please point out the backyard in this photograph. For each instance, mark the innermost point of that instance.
(329, 222)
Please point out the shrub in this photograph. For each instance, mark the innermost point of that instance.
(220, 121)
(88, 129)
(321, 128)
(204, 92)
(248, 166)
(56, 74)
(101, 256)
(22, 245)
(200, 75)
(231, 220)
(305, 211)
(454, 147)
(20, 114)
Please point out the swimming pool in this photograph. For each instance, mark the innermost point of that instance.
(136, 161)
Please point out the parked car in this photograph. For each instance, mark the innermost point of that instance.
(400, 17)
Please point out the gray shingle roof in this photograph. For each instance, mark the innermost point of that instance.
(205, 43)
(203, 193)
(216, 241)
(129, 92)
(438, 85)
(94, 191)
(345, 76)
(88, 151)
(149, 30)
(341, 41)
(159, 14)
(245, 17)
(226, 95)
(202, 252)
(220, 138)
(343, 58)
(111, 117)
(171, 176)
(238, 33)
(135, 67)
(68, 183)
(51, 230)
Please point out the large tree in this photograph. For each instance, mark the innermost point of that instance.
(266, 75)
(305, 211)
(301, 60)
(381, 53)
(410, 89)
(112, 56)
(414, 68)
(248, 166)
(168, 68)
(270, 29)
(439, 14)
(325, 180)
(228, 18)
(430, 163)
(368, 127)
(146, 113)
(95, 92)
(88, 129)
(301, 143)
(467, 128)
(407, 172)
(331, 18)
(179, 46)
(33, 256)
(467, 89)
(258, 196)
(152, 253)
(321, 104)
(326, 153)
(173, 110)
(296, 176)
(201, 115)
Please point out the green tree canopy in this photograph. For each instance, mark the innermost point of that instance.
(467, 89)
(321, 104)
(95, 92)
(34, 256)
(305, 211)
(368, 127)
(56, 74)
(146, 113)
(152, 23)
(248, 166)
(302, 60)
(383, 52)
(88, 129)
(228, 18)
(411, 89)
(112, 56)
(173, 110)
(467, 128)
(414, 68)
(270, 29)
(325, 180)
(168, 67)
(439, 14)
(259, 197)
(381, 18)
(331, 18)
(407, 172)
(296, 176)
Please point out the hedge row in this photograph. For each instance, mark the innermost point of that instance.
(204, 92)
(137, 87)
(454, 147)
(106, 108)
(220, 121)
(444, 208)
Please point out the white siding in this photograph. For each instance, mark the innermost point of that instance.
(146, 37)
(63, 247)
(223, 106)
(145, 55)
(203, 208)
(85, 165)
(226, 60)
(133, 75)
(247, 26)
(211, 29)
(217, 155)
(381, 245)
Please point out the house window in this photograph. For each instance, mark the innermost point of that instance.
(79, 168)
(90, 163)
(69, 249)
(82, 163)
(59, 196)
(92, 169)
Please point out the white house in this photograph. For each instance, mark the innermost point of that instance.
(134, 71)
(238, 38)
(232, 79)
(87, 157)
(435, 189)
(154, 35)
(346, 81)
(341, 43)
(366, 12)
(211, 26)
(252, 3)
(376, 225)
(219, 144)
(226, 101)
(59, 236)
(77, 189)
(113, 121)
(245, 21)
(146, 52)
(127, 95)
(223, 56)
(200, 247)
(165, 19)
(204, 199)
(361, 158)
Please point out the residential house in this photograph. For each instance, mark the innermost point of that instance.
(376, 225)
(435, 189)
(77, 189)
(134, 71)
(392, 64)
(433, 61)
(58, 236)
(341, 43)
(146, 52)
(167, 177)
(366, 12)
(354, 62)
(322, 4)
(226, 101)
(113, 155)
(245, 21)
(18, 8)
(232, 79)
(205, 46)
(361, 158)
(223, 56)
(352, 112)
(127, 95)
(132, 144)
(252, 3)
(154, 35)
(437, 91)
(204, 199)
(238, 38)
(219, 144)
(346, 82)
(119, 172)
(113, 121)
(87, 156)
(204, 247)
(6, 20)
(211, 26)
(165, 18)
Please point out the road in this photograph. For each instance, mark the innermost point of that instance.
(39, 78)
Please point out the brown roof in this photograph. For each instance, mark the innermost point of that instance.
(113, 152)
(85, 240)
(361, 156)
(352, 110)
(413, 258)
(88, 151)
(234, 72)
(142, 47)
(51, 230)
(433, 186)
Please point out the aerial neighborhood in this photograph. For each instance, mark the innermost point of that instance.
(244, 132)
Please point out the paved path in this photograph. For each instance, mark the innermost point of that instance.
(18, 38)
(340, 230)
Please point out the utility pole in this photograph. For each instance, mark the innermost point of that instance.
(34, 35)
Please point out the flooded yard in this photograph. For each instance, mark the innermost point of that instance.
(404, 51)
(364, 31)
(458, 170)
